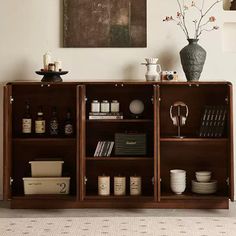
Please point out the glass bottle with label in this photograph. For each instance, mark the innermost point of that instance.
(27, 120)
(54, 124)
(68, 129)
(40, 123)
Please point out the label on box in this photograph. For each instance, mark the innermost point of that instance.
(40, 126)
(26, 126)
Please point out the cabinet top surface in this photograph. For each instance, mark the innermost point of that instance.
(122, 82)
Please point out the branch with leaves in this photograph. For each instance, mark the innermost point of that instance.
(199, 26)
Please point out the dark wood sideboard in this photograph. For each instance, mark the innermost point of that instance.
(164, 152)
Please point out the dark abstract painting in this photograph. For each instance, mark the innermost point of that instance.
(105, 23)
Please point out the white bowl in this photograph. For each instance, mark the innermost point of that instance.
(203, 178)
(203, 173)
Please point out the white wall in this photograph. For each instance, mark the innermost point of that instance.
(30, 28)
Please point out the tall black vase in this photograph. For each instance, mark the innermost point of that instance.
(193, 58)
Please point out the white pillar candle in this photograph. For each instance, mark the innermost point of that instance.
(104, 185)
(58, 65)
(135, 185)
(46, 60)
(119, 186)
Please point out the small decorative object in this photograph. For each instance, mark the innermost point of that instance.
(95, 106)
(193, 56)
(130, 144)
(27, 120)
(51, 67)
(68, 127)
(169, 76)
(119, 23)
(58, 65)
(105, 106)
(103, 185)
(51, 76)
(115, 106)
(136, 107)
(233, 5)
(180, 116)
(46, 60)
(119, 186)
(153, 69)
(178, 181)
(135, 185)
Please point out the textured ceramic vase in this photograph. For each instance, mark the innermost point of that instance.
(193, 58)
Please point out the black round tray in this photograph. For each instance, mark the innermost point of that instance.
(51, 76)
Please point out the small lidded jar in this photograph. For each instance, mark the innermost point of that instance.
(105, 106)
(115, 106)
(51, 67)
(95, 106)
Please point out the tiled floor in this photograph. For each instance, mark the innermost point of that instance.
(6, 212)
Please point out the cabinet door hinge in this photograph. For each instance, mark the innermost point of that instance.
(11, 99)
(11, 181)
(85, 180)
(227, 181)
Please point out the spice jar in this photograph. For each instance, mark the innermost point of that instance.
(119, 186)
(105, 106)
(51, 67)
(135, 185)
(115, 106)
(95, 106)
(104, 185)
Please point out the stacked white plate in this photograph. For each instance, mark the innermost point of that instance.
(178, 181)
(204, 187)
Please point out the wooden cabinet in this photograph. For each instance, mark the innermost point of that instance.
(164, 151)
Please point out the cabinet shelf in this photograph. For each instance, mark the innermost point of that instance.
(126, 198)
(191, 196)
(121, 121)
(45, 196)
(172, 139)
(119, 158)
(45, 140)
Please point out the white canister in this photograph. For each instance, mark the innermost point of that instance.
(135, 185)
(58, 65)
(115, 106)
(119, 186)
(46, 60)
(104, 185)
(95, 106)
(105, 106)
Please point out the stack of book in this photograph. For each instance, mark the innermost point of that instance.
(105, 116)
(213, 121)
(104, 149)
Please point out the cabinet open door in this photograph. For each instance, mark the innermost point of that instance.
(7, 166)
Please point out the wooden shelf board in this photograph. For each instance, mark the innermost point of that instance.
(172, 139)
(119, 158)
(45, 196)
(121, 121)
(44, 139)
(191, 196)
(112, 197)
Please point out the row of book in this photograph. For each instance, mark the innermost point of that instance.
(104, 149)
(106, 116)
(213, 121)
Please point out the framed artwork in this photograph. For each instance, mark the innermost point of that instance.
(105, 23)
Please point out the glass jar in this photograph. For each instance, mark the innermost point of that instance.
(105, 106)
(115, 106)
(95, 106)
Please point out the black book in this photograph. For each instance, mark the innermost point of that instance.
(203, 125)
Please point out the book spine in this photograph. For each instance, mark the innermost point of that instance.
(110, 149)
(212, 117)
(105, 114)
(206, 130)
(201, 133)
(101, 148)
(104, 149)
(107, 148)
(105, 117)
(97, 148)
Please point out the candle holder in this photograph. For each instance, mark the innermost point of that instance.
(51, 76)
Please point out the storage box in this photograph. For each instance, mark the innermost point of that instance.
(130, 144)
(47, 185)
(46, 168)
